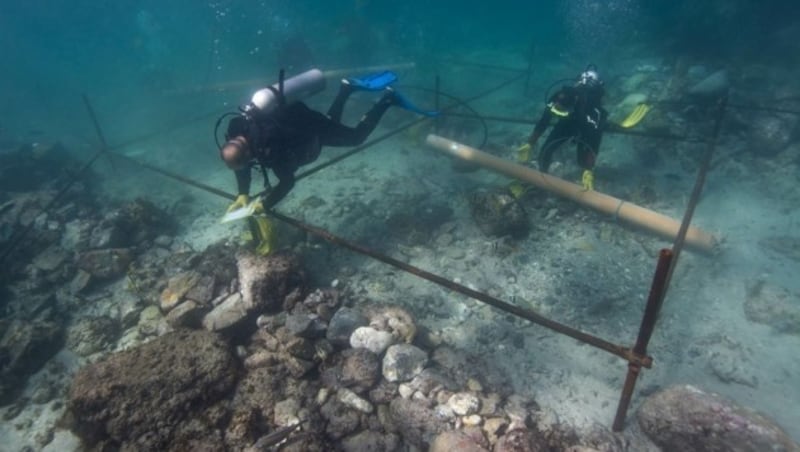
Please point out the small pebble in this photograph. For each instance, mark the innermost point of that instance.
(474, 385)
(472, 420)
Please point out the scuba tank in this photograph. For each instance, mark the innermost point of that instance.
(269, 99)
(287, 91)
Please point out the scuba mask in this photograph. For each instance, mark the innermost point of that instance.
(590, 77)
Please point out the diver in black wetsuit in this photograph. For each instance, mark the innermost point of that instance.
(580, 117)
(285, 137)
(290, 137)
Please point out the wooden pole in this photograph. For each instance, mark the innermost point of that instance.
(622, 210)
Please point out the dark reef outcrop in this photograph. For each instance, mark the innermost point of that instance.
(155, 396)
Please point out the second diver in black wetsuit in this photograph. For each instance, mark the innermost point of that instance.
(580, 117)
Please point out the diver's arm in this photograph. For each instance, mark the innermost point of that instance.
(243, 178)
(286, 180)
(541, 126)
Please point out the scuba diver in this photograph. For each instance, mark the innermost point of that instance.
(581, 117)
(278, 131)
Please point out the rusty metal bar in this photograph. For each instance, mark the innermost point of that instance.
(527, 314)
(178, 177)
(169, 128)
(654, 300)
(103, 144)
(697, 190)
(360, 148)
(618, 131)
(481, 65)
(357, 149)
(663, 276)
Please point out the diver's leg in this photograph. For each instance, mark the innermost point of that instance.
(587, 148)
(337, 107)
(336, 134)
(557, 137)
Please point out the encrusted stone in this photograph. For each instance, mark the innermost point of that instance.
(403, 362)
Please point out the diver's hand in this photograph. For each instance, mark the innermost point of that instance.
(258, 206)
(240, 202)
(524, 153)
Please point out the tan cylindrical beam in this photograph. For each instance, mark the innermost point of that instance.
(621, 210)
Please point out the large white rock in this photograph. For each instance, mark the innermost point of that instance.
(464, 403)
(373, 340)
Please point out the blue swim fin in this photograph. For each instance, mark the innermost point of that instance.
(403, 102)
(373, 82)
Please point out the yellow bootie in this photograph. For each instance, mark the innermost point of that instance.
(264, 234)
(524, 153)
(588, 180)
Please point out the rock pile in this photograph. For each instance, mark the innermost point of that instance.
(60, 261)
(345, 378)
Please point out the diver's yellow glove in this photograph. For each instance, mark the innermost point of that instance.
(240, 202)
(588, 180)
(524, 153)
(258, 207)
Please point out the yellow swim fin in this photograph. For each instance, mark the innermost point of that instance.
(636, 116)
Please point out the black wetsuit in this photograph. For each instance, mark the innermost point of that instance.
(584, 121)
(293, 136)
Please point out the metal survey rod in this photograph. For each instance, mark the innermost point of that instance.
(626, 212)
(332, 73)
(663, 275)
(482, 65)
(618, 131)
(401, 128)
(518, 311)
(366, 69)
(658, 289)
